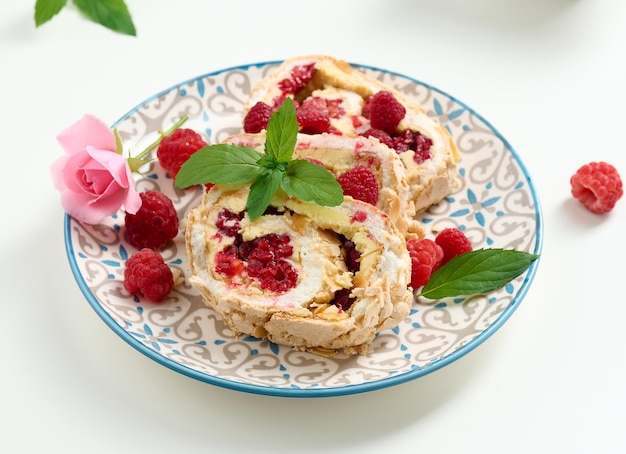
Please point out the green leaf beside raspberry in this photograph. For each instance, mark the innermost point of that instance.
(262, 191)
(47, 9)
(309, 182)
(282, 133)
(220, 164)
(112, 14)
(233, 164)
(477, 272)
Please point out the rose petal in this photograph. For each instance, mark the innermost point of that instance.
(56, 172)
(132, 202)
(80, 206)
(114, 163)
(88, 131)
(94, 180)
(120, 171)
(101, 180)
(73, 174)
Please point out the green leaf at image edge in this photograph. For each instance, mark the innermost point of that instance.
(477, 272)
(112, 14)
(47, 9)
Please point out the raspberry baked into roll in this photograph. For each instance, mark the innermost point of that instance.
(333, 97)
(319, 279)
(374, 172)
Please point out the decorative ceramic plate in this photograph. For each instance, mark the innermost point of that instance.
(496, 207)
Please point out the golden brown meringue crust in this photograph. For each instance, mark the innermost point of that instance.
(339, 154)
(380, 286)
(429, 182)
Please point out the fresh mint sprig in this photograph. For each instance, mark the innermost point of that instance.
(112, 14)
(477, 272)
(267, 172)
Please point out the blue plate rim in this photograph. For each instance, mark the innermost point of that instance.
(318, 392)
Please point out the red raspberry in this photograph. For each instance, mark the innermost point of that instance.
(335, 108)
(262, 259)
(381, 135)
(227, 222)
(313, 116)
(365, 111)
(343, 300)
(360, 183)
(154, 224)
(175, 149)
(257, 118)
(422, 148)
(352, 256)
(227, 262)
(426, 255)
(385, 112)
(597, 186)
(412, 140)
(453, 242)
(300, 76)
(147, 275)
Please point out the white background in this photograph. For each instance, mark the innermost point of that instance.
(548, 74)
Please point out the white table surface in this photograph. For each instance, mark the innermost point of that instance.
(548, 74)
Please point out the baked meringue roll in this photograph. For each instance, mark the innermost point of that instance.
(353, 103)
(342, 155)
(319, 279)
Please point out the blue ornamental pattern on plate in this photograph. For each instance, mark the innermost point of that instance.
(496, 206)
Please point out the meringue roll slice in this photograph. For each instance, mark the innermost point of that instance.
(343, 154)
(346, 95)
(316, 278)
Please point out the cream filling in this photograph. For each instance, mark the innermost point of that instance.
(341, 153)
(317, 258)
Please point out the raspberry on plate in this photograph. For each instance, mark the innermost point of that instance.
(154, 224)
(360, 183)
(257, 117)
(313, 116)
(426, 255)
(453, 242)
(597, 186)
(175, 149)
(147, 275)
(385, 112)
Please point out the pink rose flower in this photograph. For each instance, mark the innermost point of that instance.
(95, 181)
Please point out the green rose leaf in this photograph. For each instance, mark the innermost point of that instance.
(477, 272)
(220, 164)
(112, 14)
(312, 183)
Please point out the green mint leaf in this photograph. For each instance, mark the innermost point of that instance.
(312, 183)
(270, 163)
(112, 14)
(477, 272)
(262, 191)
(282, 133)
(219, 164)
(47, 9)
